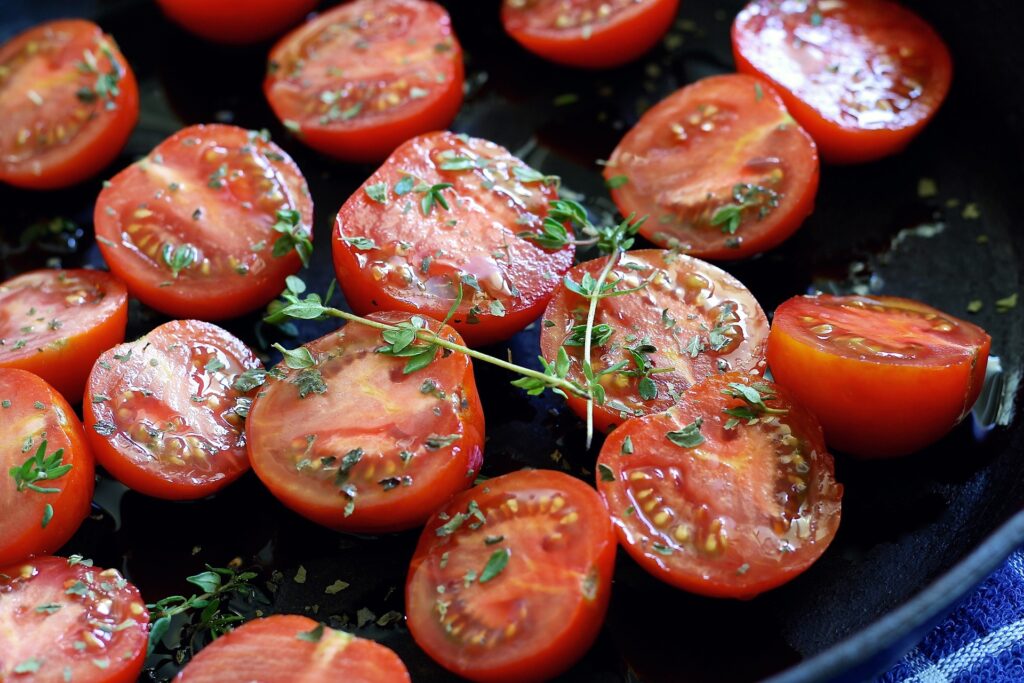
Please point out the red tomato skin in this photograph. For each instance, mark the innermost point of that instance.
(608, 46)
(227, 22)
(874, 409)
(72, 505)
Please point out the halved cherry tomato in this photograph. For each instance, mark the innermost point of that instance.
(55, 323)
(593, 34)
(68, 102)
(194, 227)
(886, 376)
(364, 77)
(65, 620)
(163, 413)
(289, 647)
(688, 320)
(225, 21)
(510, 580)
(719, 168)
(720, 495)
(862, 77)
(355, 443)
(444, 214)
(51, 471)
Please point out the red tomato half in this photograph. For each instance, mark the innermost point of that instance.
(191, 227)
(862, 77)
(287, 648)
(42, 502)
(719, 168)
(397, 246)
(364, 77)
(886, 376)
(63, 619)
(510, 580)
(227, 21)
(690, 320)
(163, 415)
(593, 34)
(355, 443)
(68, 102)
(55, 323)
(725, 504)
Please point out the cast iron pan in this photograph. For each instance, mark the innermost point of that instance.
(917, 533)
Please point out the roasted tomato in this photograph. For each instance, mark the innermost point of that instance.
(55, 323)
(728, 494)
(447, 214)
(208, 225)
(719, 168)
(226, 21)
(163, 413)
(886, 376)
(593, 34)
(362, 441)
(687, 320)
(862, 77)
(68, 102)
(511, 579)
(43, 449)
(365, 76)
(65, 620)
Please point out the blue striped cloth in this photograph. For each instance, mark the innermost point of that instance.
(981, 641)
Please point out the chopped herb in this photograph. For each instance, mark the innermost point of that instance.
(179, 258)
(974, 306)
(293, 236)
(689, 436)
(435, 441)
(336, 587)
(605, 472)
(627, 446)
(310, 381)
(616, 181)
(361, 243)
(313, 635)
(495, 565)
(1006, 303)
(378, 192)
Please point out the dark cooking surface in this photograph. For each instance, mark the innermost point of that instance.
(905, 523)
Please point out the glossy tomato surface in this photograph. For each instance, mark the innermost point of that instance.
(719, 169)
(445, 214)
(68, 102)
(725, 504)
(362, 78)
(688, 320)
(193, 227)
(55, 323)
(356, 443)
(511, 579)
(862, 77)
(886, 376)
(63, 619)
(593, 34)
(289, 647)
(163, 413)
(43, 450)
(226, 21)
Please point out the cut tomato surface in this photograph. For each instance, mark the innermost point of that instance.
(206, 225)
(356, 443)
(728, 494)
(63, 619)
(163, 413)
(446, 214)
(592, 34)
(510, 580)
(362, 78)
(862, 77)
(688, 320)
(55, 323)
(225, 21)
(43, 450)
(68, 102)
(886, 376)
(719, 168)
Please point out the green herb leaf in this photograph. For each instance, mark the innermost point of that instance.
(179, 258)
(495, 565)
(378, 192)
(296, 359)
(313, 635)
(687, 437)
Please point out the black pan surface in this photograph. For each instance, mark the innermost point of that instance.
(917, 533)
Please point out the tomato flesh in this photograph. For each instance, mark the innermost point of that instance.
(372, 449)
(163, 415)
(719, 169)
(862, 77)
(223, 21)
(190, 228)
(536, 615)
(886, 376)
(746, 510)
